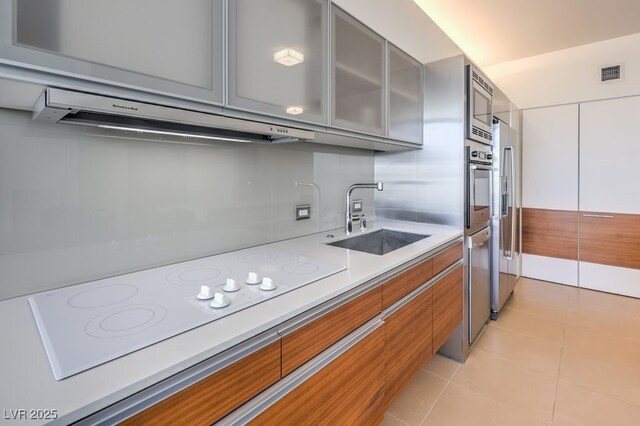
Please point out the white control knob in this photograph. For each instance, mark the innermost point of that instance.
(253, 278)
(231, 286)
(219, 301)
(205, 293)
(268, 284)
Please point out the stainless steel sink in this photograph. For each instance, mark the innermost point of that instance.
(379, 242)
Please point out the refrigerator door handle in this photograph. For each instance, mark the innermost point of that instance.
(508, 254)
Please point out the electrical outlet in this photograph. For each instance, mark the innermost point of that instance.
(303, 211)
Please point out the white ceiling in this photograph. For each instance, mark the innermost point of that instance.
(497, 31)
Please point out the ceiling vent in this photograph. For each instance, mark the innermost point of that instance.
(611, 73)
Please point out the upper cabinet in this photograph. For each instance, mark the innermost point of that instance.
(306, 61)
(279, 69)
(358, 75)
(171, 47)
(405, 96)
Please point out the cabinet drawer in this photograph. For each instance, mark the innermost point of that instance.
(408, 343)
(447, 306)
(213, 397)
(610, 239)
(398, 287)
(304, 343)
(348, 390)
(446, 258)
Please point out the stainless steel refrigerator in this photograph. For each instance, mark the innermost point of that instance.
(505, 221)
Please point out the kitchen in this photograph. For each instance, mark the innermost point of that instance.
(101, 207)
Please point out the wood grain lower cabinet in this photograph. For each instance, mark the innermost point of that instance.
(447, 306)
(399, 286)
(408, 343)
(550, 233)
(304, 343)
(213, 397)
(347, 391)
(446, 258)
(610, 239)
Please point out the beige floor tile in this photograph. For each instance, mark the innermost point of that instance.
(442, 366)
(523, 389)
(532, 325)
(577, 406)
(540, 355)
(459, 406)
(413, 404)
(608, 345)
(541, 299)
(389, 420)
(606, 319)
(598, 374)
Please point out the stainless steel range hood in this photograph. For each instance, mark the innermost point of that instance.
(71, 107)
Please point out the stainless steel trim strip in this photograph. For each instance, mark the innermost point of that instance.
(417, 292)
(315, 313)
(170, 386)
(260, 403)
(602, 216)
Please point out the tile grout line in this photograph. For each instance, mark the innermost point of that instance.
(555, 396)
(517, 364)
(602, 394)
(521, 333)
(400, 420)
(440, 394)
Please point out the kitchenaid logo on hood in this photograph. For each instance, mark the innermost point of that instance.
(125, 107)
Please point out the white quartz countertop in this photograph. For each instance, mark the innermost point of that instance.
(28, 382)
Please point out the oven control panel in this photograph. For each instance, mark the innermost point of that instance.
(480, 157)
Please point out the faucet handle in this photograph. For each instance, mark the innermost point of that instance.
(363, 223)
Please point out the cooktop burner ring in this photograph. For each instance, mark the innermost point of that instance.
(103, 296)
(202, 275)
(125, 321)
(259, 257)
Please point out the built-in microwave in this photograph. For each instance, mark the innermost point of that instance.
(479, 112)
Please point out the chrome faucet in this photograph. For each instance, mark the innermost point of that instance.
(348, 225)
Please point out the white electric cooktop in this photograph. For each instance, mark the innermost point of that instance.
(88, 324)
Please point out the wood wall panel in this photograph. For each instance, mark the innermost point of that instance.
(348, 391)
(308, 341)
(447, 306)
(550, 233)
(398, 287)
(208, 400)
(444, 259)
(612, 240)
(408, 344)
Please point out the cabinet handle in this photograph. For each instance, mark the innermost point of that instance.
(601, 216)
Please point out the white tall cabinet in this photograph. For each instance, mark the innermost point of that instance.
(550, 193)
(581, 197)
(610, 196)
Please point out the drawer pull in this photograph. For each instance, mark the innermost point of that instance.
(601, 216)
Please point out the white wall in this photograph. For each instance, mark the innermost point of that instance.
(570, 75)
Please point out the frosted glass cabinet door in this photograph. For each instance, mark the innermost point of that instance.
(358, 75)
(278, 57)
(163, 46)
(405, 96)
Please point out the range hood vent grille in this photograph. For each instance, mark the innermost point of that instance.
(66, 106)
(611, 73)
